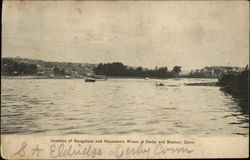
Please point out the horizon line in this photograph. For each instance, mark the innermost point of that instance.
(123, 63)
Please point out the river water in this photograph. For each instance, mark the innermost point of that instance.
(118, 106)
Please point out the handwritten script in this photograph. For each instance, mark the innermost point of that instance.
(64, 150)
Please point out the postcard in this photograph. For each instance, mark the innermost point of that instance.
(124, 79)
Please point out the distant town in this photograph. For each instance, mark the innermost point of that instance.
(24, 66)
(17, 66)
(214, 71)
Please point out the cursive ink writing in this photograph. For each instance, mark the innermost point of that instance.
(21, 151)
(121, 151)
(160, 150)
(36, 151)
(62, 150)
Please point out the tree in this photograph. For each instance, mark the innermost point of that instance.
(139, 71)
(177, 69)
(111, 69)
(118, 69)
(99, 69)
(56, 71)
(162, 72)
(63, 72)
(31, 69)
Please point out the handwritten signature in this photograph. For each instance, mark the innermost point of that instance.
(68, 150)
(119, 151)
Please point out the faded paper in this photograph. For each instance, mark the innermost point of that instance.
(193, 34)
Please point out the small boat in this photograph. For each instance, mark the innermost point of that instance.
(159, 84)
(89, 80)
(146, 78)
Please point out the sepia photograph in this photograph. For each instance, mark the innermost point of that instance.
(124, 69)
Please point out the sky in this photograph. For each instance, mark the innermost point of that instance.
(189, 34)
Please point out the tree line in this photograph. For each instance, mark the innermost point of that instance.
(15, 68)
(121, 70)
(237, 84)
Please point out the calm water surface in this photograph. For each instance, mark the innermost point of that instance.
(118, 106)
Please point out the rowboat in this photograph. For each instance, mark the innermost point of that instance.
(159, 84)
(89, 80)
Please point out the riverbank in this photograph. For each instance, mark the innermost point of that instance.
(83, 77)
(63, 77)
(39, 77)
(202, 84)
(237, 85)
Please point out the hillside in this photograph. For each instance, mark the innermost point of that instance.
(214, 71)
(14, 66)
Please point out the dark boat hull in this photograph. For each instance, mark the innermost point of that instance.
(89, 80)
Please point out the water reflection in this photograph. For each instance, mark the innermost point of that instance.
(119, 106)
(242, 107)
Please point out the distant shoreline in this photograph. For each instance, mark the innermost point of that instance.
(39, 77)
(83, 77)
